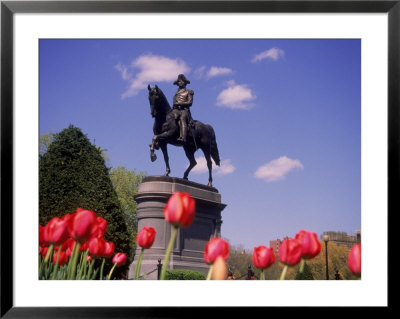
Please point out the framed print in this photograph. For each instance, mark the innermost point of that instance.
(311, 89)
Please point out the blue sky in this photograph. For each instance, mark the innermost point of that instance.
(287, 116)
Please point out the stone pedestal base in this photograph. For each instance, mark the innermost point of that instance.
(188, 251)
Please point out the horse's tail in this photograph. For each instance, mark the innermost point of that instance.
(214, 147)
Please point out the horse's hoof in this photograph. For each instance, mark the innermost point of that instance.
(153, 157)
(210, 184)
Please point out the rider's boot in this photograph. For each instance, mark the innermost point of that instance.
(183, 131)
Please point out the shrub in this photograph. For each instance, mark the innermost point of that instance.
(72, 173)
(187, 275)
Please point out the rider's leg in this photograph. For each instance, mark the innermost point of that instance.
(183, 125)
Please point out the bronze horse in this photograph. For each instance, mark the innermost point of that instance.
(166, 131)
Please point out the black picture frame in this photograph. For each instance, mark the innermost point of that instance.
(9, 8)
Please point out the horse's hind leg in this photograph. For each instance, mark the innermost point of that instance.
(192, 162)
(166, 159)
(209, 166)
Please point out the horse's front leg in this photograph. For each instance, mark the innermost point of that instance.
(166, 159)
(153, 145)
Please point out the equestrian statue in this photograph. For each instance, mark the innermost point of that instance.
(175, 126)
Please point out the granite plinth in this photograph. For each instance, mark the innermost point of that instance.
(153, 194)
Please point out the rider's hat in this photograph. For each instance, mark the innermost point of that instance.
(183, 78)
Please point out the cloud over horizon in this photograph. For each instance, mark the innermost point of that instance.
(271, 54)
(151, 68)
(225, 168)
(214, 71)
(277, 169)
(236, 96)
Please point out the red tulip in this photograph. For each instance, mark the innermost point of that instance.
(109, 249)
(84, 246)
(180, 209)
(145, 237)
(62, 259)
(88, 258)
(43, 251)
(120, 259)
(354, 260)
(290, 252)
(263, 257)
(42, 242)
(99, 228)
(311, 246)
(214, 248)
(56, 231)
(96, 247)
(82, 225)
(64, 246)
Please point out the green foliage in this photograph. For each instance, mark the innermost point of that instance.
(126, 184)
(238, 261)
(305, 275)
(176, 274)
(72, 174)
(44, 142)
(337, 260)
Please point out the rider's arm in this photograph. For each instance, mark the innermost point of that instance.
(189, 101)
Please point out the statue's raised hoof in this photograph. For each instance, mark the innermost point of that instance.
(153, 157)
(210, 184)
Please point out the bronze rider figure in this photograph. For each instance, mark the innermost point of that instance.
(183, 100)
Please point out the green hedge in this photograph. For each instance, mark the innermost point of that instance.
(187, 275)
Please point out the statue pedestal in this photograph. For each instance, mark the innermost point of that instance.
(188, 251)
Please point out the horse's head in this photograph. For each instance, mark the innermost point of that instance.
(153, 99)
(158, 101)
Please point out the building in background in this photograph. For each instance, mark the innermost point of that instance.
(342, 238)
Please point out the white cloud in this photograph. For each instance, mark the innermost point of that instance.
(202, 72)
(124, 71)
(271, 54)
(225, 168)
(277, 169)
(236, 96)
(152, 68)
(199, 72)
(218, 71)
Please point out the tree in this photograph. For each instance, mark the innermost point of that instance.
(126, 184)
(44, 142)
(47, 138)
(238, 262)
(72, 174)
(337, 260)
(305, 275)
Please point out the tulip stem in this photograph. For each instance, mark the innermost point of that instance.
(168, 252)
(82, 264)
(53, 276)
(262, 277)
(139, 262)
(74, 259)
(210, 272)
(91, 264)
(283, 275)
(111, 271)
(49, 252)
(102, 268)
(302, 263)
